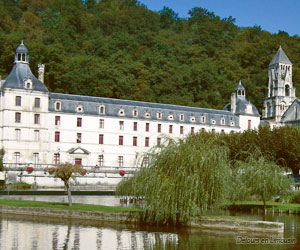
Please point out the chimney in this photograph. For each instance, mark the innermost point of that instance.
(41, 70)
(233, 102)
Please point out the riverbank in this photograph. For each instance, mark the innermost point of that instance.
(257, 206)
(127, 215)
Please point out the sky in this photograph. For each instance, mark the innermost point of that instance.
(271, 15)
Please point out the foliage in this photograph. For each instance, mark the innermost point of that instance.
(183, 179)
(281, 145)
(65, 171)
(296, 197)
(262, 178)
(120, 49)
(2, 152)
(19, 185)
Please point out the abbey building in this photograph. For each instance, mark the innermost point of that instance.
(38, 127)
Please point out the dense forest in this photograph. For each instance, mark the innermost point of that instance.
(120, 49)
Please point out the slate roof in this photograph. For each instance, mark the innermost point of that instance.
(241, 108)
(90, 105)
(280, 57)
(19, 73)
(22, 48)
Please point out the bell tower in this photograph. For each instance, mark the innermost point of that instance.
(281, 92)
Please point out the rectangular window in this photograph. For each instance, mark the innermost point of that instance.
(213, 130)
(192, 130)
(36, 118)
(57, 120)
(181, 130)
(158, 141)
(37, 102)
(134, 141)
(147, 127)
(36, 158)
(120, 140)
(78, 138)
(57, 106)
(135, 126)
(249, 124)
(159, 115)
(18, 134)
(170, 129)
(101, 160)
(36, 135)
(121, 123)
(159, 128)
(120, 161)
(18, 100)
(181, 117)
(56, 158)
(17, 117)
(78, 161)
(101, 139)
(17, 157)
(57, 136)
(79, 121)
(147, 142)
(101, 123)
(102, 110)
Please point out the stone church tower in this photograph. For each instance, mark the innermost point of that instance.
(281, 92)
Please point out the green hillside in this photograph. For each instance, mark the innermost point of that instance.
(120, 49)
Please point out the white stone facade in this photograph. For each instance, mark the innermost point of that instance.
(41, 128)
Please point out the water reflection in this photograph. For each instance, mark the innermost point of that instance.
(22, 232)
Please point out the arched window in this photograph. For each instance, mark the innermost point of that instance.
(287, 90)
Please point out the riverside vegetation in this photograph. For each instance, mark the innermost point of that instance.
(206, 170)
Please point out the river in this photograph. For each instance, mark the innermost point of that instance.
(23, 232)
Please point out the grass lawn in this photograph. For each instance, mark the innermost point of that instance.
(247, 205)
(75, 206)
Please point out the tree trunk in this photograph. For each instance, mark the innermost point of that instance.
(69, 193)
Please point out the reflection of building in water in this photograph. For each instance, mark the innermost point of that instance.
(20, 235)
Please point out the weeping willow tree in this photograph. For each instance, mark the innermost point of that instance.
(183, 179)
(257, 176)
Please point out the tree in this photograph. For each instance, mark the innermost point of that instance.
(65, 171)
(261, 177)
(183, 179)
(2, 152)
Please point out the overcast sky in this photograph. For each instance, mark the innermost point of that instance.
(271, 15)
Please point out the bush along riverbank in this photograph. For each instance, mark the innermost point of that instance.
(258, 207)
(128, 215)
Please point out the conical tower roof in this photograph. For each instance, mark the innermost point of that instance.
(280, 57)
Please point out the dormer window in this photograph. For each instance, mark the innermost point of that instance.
(222, 121)
(121, 112)
(79, 108)
(171, 117)
(192, 119)
(28, 84)
(159, 115)
(147, 115)
(203, 119)
(181, 117)
(102, 110)
(213, 121)
(135, 113)
(57, 106)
